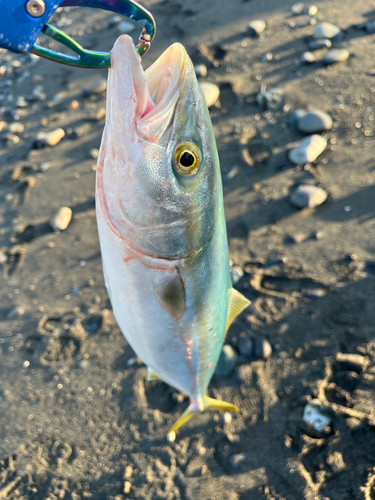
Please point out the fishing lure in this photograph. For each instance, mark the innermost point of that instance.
(161, 222)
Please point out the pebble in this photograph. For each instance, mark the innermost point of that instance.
(16, 311)
(326, 30)
(227, 361)
(262, 348)
(127, 487)
(236, 273)
(308, 58)
(297, 9)
(267, 57)
(95, 88)
(255, 28)
(312, 10)
(16, 128)
(21, 102)
(62, 219)
(236, 460)
(308, 149)
(313, 415)
(314, 121)
(322, 43)
(308, 196)
(45, 166)
(94, 153)
(271, 99)
(245, 345)
(125, 27)
(39, 93)
(370, 27)
(295, 116)
(3, 125)
(50, 138)
(211, 93)
(200, 70)
(336, 55)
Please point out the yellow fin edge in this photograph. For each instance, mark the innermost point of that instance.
(209, 404)
(237, 303)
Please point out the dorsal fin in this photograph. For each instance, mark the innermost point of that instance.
(237, 303)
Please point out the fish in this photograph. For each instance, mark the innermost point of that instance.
(161, 223)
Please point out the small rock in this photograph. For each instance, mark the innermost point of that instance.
(16, 128)
(320, 44)
(370, 27)
(314, 415)
(50, 138)
(297, 9)
(15, 312)
(94, 153)
(39, 93)
(236, 273)
(298, 237)
(200, 70)
(74, 105)
(308, 196)
(326, 30)
(45, 166)
(295, 116)
(353, 362)
(12, 139)
(96, 88)
(308, 58)
(262, 348)
(21, 102)
(127, 487)
(197, 447)
(312, 10)
(226, 419)
(348, 208)
(267, 57)
(271, 99)
(227, 361)
(255, 28)
(3, 126)
(62, 219)
(245, 345)
(315, 121)
(308, 149)
(125, 27)
(336, 55)
(236, 460)
(211, 93)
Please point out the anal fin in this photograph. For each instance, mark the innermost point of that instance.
(237, 303)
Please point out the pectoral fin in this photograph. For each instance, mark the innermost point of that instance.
(209, 404)
(237, 304)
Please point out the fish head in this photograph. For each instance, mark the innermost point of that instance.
(158, 179)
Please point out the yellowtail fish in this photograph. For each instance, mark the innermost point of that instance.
(161, 222)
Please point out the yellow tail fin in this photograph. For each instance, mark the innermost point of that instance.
(209, 404)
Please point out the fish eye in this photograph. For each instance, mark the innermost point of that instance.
(187, 159)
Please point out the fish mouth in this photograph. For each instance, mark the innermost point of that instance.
(157, 89)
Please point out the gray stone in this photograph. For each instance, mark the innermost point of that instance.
(308, 149)
(262, 348)
(245, 345)
(236, 273)
(314, 121)
(45, 166)
(16, 128)
(271, 99)
(298, 8)
(236, 460)
(326, 30)
(336, 55)
(315, 415)
(308, 58)
(39, 93)
(267, 57)
(125, 27)
(255, 28)
(94, 153)
(15, 312)
(322, 43)
(200, 70)
(370, 27)
(50, 138)
(211, 92)
(227, 361)
(308, 196)
(62, 219)
(21, 102)
(312, 10)
(295, 116)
